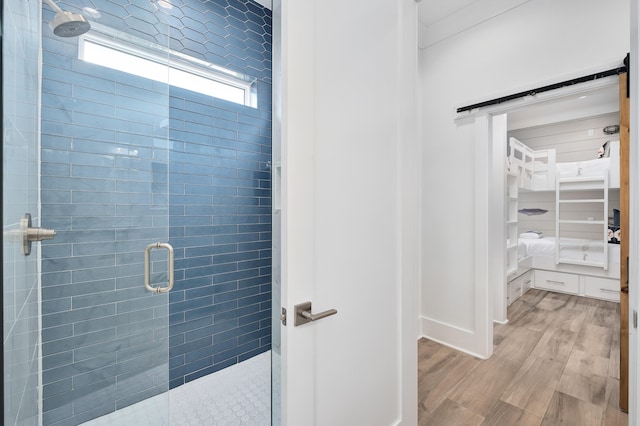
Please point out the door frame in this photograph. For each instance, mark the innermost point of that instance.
(634, 212)
(489, 207)
(483, 144)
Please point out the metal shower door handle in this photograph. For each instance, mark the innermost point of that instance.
(303, 314)
(147, 268)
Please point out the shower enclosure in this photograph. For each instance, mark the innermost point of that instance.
(149, 134)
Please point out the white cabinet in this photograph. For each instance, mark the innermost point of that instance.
(557, 281)
(602, 288)
(518, 286)
(581, 285)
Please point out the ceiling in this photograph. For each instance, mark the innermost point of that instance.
(441, 19)
(432, 11)
(265, 3)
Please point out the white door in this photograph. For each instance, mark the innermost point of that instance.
(346, 209)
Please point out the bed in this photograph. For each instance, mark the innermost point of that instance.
(538, 170)
(541, 254)
(538, 265)
(582, 267)
(570, 248)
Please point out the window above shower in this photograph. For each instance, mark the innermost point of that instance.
(119, 51)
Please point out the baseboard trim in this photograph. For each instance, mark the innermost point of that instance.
(449, 335)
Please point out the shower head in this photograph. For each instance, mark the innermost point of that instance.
(67, 24)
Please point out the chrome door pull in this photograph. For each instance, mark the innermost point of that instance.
(147, 268)
(31, 234)
(304, 315)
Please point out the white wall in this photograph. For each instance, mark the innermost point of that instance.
(540, 42)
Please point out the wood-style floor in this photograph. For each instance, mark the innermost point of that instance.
(555, 363)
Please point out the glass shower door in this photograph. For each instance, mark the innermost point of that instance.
(104, 178)
(20, 307)
(97, 143)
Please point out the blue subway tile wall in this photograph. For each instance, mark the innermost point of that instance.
(220, 186)
(127, 162)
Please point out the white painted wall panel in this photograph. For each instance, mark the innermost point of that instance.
(576, 140)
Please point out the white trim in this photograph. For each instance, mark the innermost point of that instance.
(408, 208)
(483, 194)
(496, 226)
(449, 335)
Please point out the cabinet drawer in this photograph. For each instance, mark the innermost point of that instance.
(519, 286)
(602, 288)
(557, 281)
(515, 290)
(527, 281)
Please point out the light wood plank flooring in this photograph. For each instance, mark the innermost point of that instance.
(555, 363)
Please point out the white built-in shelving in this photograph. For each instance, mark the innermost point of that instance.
(512, 223)
(571, 193)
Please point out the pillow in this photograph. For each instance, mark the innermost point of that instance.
(613, 235)
(531, 235)
(603, 152)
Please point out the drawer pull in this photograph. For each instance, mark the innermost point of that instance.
(528, 282)
(556, 282)
(609, 290)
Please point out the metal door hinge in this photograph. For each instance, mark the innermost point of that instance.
(635, 319)
(283, 316)
(627, 275)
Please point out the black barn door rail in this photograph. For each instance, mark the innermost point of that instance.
(532, 92)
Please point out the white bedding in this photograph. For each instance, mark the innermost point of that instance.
(597, 167)
(570, 248)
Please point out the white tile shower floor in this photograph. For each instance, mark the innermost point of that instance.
(239, 395)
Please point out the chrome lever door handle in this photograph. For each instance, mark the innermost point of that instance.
(304, 315)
